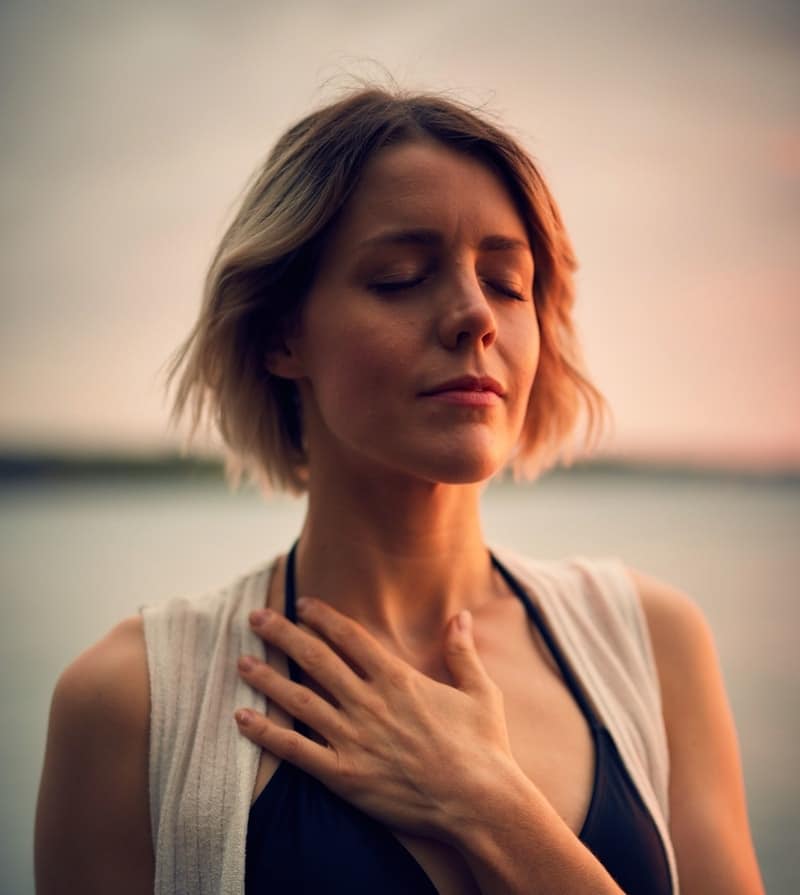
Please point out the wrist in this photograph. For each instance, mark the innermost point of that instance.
(514, 841)
(487, 806)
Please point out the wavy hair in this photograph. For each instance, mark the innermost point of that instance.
(269, 255)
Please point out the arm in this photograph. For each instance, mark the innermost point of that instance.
(515, 844)
(92, 819)
(708, 813)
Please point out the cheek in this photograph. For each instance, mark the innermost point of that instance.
(534, 354)
(356, 368)
(523, 352)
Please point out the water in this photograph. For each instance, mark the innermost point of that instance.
(76, 558)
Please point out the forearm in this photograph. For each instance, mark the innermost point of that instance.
(515, 843)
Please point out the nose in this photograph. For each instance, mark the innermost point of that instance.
(466, 318)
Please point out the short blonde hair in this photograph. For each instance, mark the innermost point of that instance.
(268, 258)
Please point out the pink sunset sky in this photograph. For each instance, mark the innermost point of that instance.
(670, 134)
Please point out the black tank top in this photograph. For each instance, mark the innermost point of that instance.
(302, 838)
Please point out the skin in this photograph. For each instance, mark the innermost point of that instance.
(428, 726)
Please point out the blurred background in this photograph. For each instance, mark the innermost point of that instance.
(670, 134)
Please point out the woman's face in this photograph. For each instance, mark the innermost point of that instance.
(426, 280)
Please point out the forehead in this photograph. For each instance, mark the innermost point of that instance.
(424, 184)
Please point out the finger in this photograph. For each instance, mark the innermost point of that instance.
(461, 655)
(347, 635)
(310, 653)
(299, 701)
(285, 743)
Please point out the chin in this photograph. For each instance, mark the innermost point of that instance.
(447, 462)
(464, 468)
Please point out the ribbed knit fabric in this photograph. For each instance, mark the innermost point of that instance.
(202, 771)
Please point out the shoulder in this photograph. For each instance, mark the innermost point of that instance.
(685, 654)
(683, 644)
(107, 685)
(186, 643)
(596, 597)
(196, 621)
(667, 608)
(92, 819)
(99, 716)
(708, 812)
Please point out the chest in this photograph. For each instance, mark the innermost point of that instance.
(549, 736)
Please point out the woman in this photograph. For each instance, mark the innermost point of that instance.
(386, 325)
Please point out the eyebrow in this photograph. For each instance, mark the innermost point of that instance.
(425, 237)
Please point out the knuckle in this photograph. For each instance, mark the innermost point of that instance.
(457, 647)
(351, 780)
(398, 677)
(342, 731)
(347, 774)
(311, 656)
(292, 744)
(373, 704)
(340, 632)
(302, 697)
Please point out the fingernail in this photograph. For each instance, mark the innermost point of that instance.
(243, 717)
(259, 616)
(302, 604)
(245, 663)
(464, 620)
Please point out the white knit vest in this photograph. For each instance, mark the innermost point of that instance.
(202, 771)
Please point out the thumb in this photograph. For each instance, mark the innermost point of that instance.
(461, 656)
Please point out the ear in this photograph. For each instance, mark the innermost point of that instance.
(284, 360)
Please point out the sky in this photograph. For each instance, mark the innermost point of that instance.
(669, 133)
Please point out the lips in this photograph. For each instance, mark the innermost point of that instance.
(462, 384)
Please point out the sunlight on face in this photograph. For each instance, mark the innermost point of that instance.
(427, 279)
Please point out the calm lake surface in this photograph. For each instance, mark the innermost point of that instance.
(76, 558)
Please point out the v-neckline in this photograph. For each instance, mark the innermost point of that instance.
(534, 616)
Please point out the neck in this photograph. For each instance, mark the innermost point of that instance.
(400, 557)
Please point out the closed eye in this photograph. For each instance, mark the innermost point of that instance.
(388, 286)
(503, 289)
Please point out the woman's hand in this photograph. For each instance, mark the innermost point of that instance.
(406, 749)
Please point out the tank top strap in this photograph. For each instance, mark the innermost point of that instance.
(290, 611)
(535, 615)
(530, 607)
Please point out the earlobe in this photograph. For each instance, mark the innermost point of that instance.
(283, 361)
